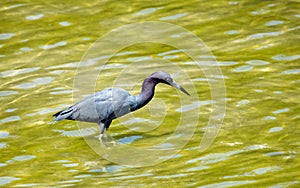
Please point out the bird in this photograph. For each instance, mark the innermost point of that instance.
(111, 103)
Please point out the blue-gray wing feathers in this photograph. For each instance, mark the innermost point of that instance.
(105, 105)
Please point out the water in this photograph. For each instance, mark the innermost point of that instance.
(255, 43)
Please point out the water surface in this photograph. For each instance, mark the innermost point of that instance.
(255, 42)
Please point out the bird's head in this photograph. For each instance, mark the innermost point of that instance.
(164, 77)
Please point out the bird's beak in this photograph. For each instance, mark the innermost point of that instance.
(174, 84)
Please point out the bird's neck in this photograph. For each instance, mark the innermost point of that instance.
(147, 92)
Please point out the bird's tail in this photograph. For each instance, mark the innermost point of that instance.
(64, 114)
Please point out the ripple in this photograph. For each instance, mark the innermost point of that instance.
(113, 168)
(171, 57)
(259, 12)
(243, 68)
(259, 90)
(200, 79)
(22, 158)
(86, 38)
(193, 106)
(125, 53)
(264, 46)
(65, 23)
(257, 62)
(141, 58)
(14, 6)
(275, 153)
(72, 171)
(269, 118)
(70, 165)
(3, 164)
(4, 134)
(281, 111)
(285, 57)
(69, 183)
(10, 119)
(257, 147)
(171, 176)
(78, 133)
(147, 11)
(198, 168)
(231, 32)
(176, 16)
(169, 52)
(211, 57)
(86, 63)
(263, 35)
(18, 72)
(7, 93)
(260, 171)
(5, 36)
(233, 2)
(7, 179)
(139, 120)
(3, 145)
(30, 185)
(291, 71)
(229, 184)
(274, 22)
(214, 158)
(34, 83)
(43, 111)
(132, 176)
(129, 139)
(67, 65)
(58, 72)
(171, 156)
(83, 176)
(111, 66)
(50, 46)
(175, 36)
(35, 17)
(62, 161)
(26, 49)
(242, 102)
(275, 129)
(165, 146)
(61, 92)
(227, 63)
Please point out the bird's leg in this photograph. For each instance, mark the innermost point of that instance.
(102, 129)
(105, 138)
(101, 137)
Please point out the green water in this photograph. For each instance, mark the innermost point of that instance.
(256, 44)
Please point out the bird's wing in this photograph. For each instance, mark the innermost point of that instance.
(102, 106)
(113, 106)
(85, 110)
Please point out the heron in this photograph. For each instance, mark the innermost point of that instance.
(111, 103)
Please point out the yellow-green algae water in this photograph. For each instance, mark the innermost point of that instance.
(256, 44)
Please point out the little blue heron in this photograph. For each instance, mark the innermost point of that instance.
(111, 103)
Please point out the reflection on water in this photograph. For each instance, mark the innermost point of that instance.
(42, 43)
